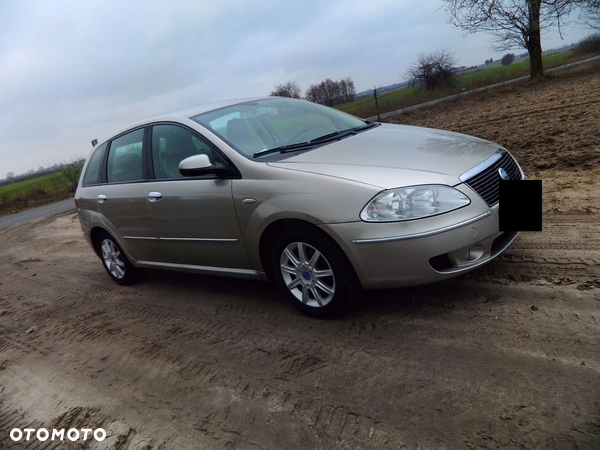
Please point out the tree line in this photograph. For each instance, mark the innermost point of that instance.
(327, 92)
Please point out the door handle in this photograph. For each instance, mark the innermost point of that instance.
(154, 196)
(102, 198)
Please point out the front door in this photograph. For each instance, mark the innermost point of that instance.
(195, 217)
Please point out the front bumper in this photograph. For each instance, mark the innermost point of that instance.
(387, 255)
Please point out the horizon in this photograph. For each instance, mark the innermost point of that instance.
(76, 72)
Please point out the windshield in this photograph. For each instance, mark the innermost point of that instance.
(276, 124)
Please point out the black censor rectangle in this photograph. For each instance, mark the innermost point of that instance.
(521, 205)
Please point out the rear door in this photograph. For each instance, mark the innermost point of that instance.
(123, 195)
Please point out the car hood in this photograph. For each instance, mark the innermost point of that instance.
(395, 155)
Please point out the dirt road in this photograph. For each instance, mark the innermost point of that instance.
(507, 357)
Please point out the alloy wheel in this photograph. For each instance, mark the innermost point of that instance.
(307, 274)
(113, 260)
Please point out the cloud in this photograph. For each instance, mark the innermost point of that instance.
(73, 71)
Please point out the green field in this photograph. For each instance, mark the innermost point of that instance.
(494, 73)
(49, 182)
(36, 191)
(514, 70)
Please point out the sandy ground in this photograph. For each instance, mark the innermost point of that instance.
(507, 357)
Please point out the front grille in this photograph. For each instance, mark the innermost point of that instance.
(487, 182)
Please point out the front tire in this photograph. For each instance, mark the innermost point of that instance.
(314, 272)
(114, 260)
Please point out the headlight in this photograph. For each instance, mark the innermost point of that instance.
(413, 202)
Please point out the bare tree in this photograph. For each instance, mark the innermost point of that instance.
(515, 23)
(347, 90)
(290, 89)
(312, 94)
(433, 70)
(69, 173)
(331, 93)
(590, 14)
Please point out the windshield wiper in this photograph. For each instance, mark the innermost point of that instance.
(368, 124)
(321, 139)
(284, 149)
(343, 133)
(335, 134)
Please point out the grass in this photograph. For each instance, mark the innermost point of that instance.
(34, 192)
(498, 72)
(495, 73)
(49, 181)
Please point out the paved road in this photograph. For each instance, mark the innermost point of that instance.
(46, 210)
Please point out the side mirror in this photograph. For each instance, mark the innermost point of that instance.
(197, 165)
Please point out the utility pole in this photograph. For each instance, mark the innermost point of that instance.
(376, 103)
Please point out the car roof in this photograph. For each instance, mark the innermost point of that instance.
(185, 113)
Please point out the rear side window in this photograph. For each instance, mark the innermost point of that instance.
(92, 172)
(125, 157)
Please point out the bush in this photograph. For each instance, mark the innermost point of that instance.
(507, 59)
(432, 71)
(590, 44)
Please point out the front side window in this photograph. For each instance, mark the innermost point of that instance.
(92, 172)
(255, 126)
(171, 144)
(125, 157)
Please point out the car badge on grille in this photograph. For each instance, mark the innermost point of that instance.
(503, 173)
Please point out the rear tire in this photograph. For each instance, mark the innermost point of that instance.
(114, 260)
(314, 272)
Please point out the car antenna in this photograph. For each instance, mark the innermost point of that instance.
(94, 142)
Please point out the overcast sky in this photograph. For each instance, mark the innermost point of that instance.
(72, 71)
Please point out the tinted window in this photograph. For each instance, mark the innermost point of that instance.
(170, 145)
(92, 172)
(125, 157)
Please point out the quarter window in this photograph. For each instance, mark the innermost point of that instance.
(125, 157)
(92, 172)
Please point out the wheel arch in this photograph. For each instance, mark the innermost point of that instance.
(326, 268)
(270, 233)
(95, 233)
(94, 236)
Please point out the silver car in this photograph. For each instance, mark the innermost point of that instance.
(320, 202)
